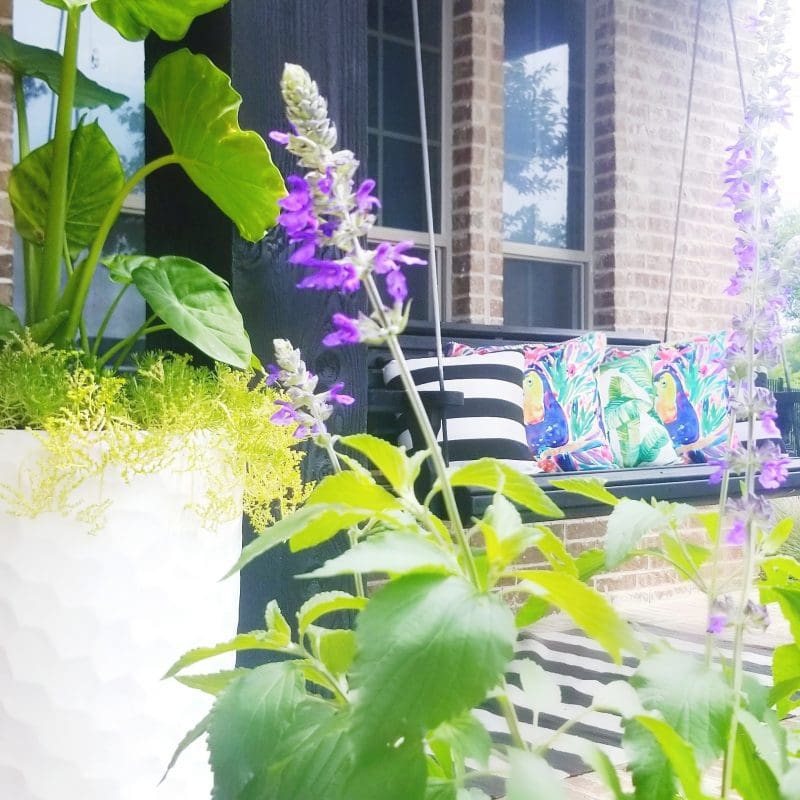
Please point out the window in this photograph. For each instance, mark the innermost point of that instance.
(395, 143)
(108, 59)
(544, 186)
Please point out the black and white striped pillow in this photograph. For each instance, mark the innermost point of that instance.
(490, 423)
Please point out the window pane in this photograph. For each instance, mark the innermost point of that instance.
(541, 294)
(543, 188)
(402, 188)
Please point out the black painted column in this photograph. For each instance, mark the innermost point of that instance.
(252, 39)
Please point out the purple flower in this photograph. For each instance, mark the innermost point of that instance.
(346, 331)
(325, 184)
(717, 622)
(286, 413)
(297, 215)
(720, 465)
(365, 200)
(328, 275)
(774, 466)
(273, 374)
(737, 533)
(389, 257)
(337, 396)
(280, 137)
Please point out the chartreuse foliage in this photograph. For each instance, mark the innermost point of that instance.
(67, 194)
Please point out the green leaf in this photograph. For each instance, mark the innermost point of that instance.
(687, 558)
(603, 767)
(393, 552)
(785, 678)
(313, 523)
(429, 648)
(679, 754)
(694, 700)
(554, 550)
(38, 62)
(532, 610)
(42, 331)
(276, 623)
(653, 778)
(197, 305)
(790, 783)
(326, 603)
(789, 601)
(593, 488)
(590, 563)
(400, 470)
(134, 19)
(192, 736)
(210, 684)
(489, 473)
(619, 697)
(632, 519)
(9, 323)
(532, 778)
(256, 640)
(334, 648)
(438, 789)
(542, 691)
(95, 177)
(467, 737)
(778, 535)
(120, 267)
(256, 709)
(353, 488)
(752, 776)
(198, 109)
(588, 608)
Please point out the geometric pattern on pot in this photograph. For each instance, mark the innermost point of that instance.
(562, 412)
(489, 423)
(636, 433)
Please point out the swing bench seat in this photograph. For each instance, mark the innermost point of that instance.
(386, 411)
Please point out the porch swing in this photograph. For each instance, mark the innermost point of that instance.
(386, 408)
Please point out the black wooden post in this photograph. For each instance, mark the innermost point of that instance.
(253, 39)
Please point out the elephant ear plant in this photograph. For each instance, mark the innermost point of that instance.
(67, 194)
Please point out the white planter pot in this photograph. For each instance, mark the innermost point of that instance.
(88, 626)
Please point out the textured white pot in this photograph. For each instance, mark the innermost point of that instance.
(90, 623)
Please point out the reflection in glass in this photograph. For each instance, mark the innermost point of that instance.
(544, 179)
(541, 294)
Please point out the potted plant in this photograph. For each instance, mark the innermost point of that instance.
(121, 494)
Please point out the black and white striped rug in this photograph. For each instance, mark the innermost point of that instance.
(580, 668)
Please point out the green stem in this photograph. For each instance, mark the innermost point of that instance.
(28, 248)
(565, 727)
(50, 278)
(132, 342)
(77, 289)
(82, 324)
(107, 318)
(510, 714)
(352, 534)
(127, 342)
(428, 435)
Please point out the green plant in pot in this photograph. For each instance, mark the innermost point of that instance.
(158, 461)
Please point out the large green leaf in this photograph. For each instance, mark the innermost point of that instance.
(694, 700)
(94, 179)
(399, 469)
(197, 109)
(191, 736)
(38, 62)
(532, 778)
(254, 712)
(212, 683)
(588, 608)
(326, 603)
(604, 769)
(593, 488)
(169, 19)
(353, 488)
(489, 473)
(785, 678)
(753, 777)
(653, 778)
(392, 552)
(789, 601)
(121, 266)
(197, 305)
(429, 648)
(465, 736)
(319, 522)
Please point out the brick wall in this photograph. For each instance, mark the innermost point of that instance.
(6, 132)
(643, 64)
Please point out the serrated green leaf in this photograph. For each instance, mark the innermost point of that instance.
(532, 778)
(335, 648)
(710, 521)
(785, 678)
(593, 488)
(326, 603)
(543, 693)
(210, 684)
(353, 488)
(752, 776)
(686, 557)
(198, 109)
(44, 64)
(191, 736)
(314, 523)
(134, 19)
(590, 563)
(693, 699)
(653, 778)
(467, 737)
(392, 552)
(777, 536)
(588, 608)
(197, 305)
(489, 473)
(399, 469)
(619, 697)
(434, 633)
(276, 623)
(9, 323)
(256, 708)
(95, 177)
(789, 601)
(256, 640)
(532, 610)
(604, 768)
(554, 551)
(679, 754)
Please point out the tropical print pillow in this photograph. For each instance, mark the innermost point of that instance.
(561, 402)
(690, 381)
(635, 431)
